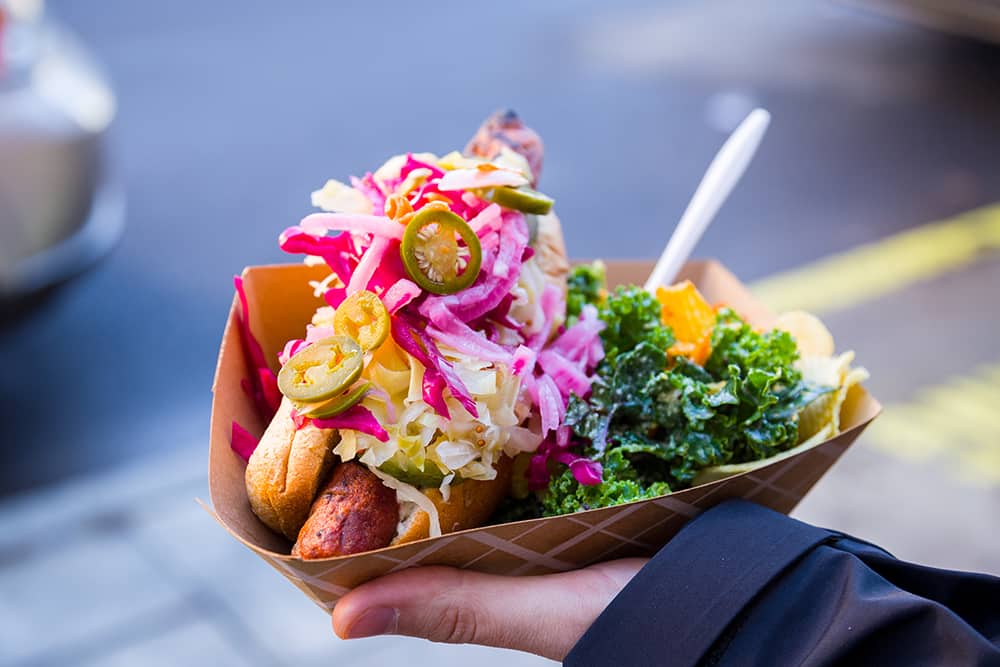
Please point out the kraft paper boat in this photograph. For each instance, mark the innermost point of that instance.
(281, 304)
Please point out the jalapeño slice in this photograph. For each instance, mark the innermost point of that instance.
(322, 370)
(440, 251)
(525, 200)
(363, 317)
(340, 403)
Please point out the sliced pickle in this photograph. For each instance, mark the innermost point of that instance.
(322, 370)
(525, 200)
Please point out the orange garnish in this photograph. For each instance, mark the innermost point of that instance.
(690, 317)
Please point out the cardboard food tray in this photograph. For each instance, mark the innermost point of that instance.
(281, 303)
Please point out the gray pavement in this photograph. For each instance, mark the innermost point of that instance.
(142, 575)
(230, 113)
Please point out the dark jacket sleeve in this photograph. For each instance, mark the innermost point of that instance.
(742, 585)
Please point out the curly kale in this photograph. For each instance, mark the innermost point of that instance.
(585, 285)
(622, 484)
(654, 422)
(517, 509)
(631, 316)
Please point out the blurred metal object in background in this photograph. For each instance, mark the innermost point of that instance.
(979, 19)
(60, 210)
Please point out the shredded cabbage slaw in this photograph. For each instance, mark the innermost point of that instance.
(463, 378)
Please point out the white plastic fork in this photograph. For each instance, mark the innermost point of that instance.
(718, 182)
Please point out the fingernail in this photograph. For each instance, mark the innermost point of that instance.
(374, 621)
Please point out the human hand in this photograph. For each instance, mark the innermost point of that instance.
(545, 615)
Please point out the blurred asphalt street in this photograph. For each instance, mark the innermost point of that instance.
(231, 113)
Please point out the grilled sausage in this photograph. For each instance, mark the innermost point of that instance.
(354, 512)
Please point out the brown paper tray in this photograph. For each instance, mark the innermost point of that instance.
(281, 304)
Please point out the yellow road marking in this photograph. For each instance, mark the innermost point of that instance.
(981, 465)
(975, 402)
(874, 269)
(957, 421)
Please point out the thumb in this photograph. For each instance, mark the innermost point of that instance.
(545, 615)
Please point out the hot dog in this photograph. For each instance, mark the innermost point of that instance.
(354, 512)
(433, 456)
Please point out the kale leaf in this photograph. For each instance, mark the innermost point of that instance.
(585, 285)
(517, 509)
(653, 422)
(631, 316)
(622, 485)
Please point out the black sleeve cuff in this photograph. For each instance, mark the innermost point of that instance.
(683, 599)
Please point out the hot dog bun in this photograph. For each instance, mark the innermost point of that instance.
(469, 505)
(355, 512)
(288, 467)
(285, 471)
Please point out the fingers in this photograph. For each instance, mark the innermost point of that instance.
(545, 615)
